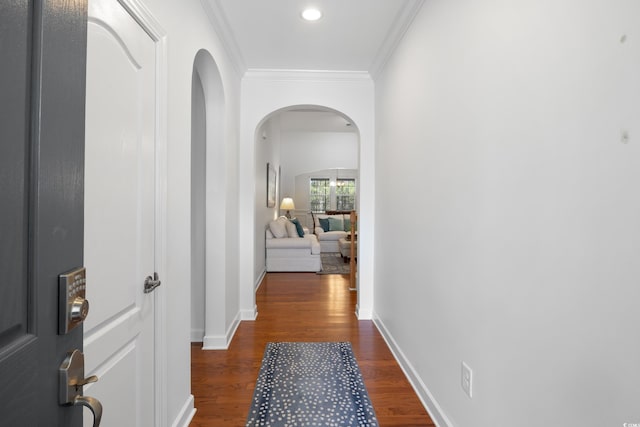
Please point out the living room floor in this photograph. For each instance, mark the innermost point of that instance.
(299, 307)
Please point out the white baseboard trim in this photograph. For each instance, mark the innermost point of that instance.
(259, 281)
(197, 335)
(428, 401)
(215, 342)
(363, 314)
(221, 342)
(249, 314)
(186, 413)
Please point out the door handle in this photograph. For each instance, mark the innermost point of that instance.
(94, 406)
(71, 382)
(151, 283)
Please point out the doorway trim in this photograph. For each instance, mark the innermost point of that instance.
(159, 36)
(216, 294)
(351, 93)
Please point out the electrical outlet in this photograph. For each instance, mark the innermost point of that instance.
(467, 379)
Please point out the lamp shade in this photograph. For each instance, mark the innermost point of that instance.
(287, 203)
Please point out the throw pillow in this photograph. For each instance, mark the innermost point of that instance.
(299, 229)
(347, 225)
(291, 230)
(335, 224)
(278, 228)
(324, 223)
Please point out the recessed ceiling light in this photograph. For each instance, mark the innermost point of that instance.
(311, 14)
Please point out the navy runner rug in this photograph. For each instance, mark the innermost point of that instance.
(310, 384)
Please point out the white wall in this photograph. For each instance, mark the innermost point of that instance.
(305, 152)
(182, 42)
(267, 151)
(198, 209)
(521, 257)
(265, 92)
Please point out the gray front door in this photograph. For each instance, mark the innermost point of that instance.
(42, 87)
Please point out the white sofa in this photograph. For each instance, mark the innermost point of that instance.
(337, 230)
(290, 252)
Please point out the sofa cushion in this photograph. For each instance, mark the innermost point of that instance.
(279, 227)
(324, 223)
(291, 230)
(289, 243)
(318, 217)
(299, 228)
(336, 224)
(332, 235)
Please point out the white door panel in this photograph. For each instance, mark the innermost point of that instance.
(120, 214)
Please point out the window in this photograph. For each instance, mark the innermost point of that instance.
(345, 194)
(320, 194)
(332, 194)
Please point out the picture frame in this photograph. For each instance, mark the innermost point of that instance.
(272, 178)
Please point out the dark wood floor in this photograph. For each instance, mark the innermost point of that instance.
(299, 307)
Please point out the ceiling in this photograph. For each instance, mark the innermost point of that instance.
(352, 35)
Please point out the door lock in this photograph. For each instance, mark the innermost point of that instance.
(73, 306)
(71, 382)
(79, 309)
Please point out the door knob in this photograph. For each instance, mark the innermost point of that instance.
(151, 283)
(71, 382)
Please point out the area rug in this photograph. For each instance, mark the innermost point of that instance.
(332, 263)
(310, 384)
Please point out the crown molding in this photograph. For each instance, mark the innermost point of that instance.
(398, 29)
(222, 28)
(306, 75)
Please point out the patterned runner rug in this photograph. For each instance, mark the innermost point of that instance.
(310, 384)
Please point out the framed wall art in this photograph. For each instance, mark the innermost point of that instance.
(272, 179)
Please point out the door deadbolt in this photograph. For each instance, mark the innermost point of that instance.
(73, 305)
(79, 309)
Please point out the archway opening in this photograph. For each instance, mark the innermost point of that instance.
(198, 207)
(208, 204)
(302, 143)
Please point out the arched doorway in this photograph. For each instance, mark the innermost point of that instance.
(329, 142)
(208, 203)
(266, 92)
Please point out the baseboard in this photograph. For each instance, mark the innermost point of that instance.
(259, 281)
(197, 335)
(428, 401)
(186, 414)
(221, 342)
(214, 342)
(249, 314)
(363, 314)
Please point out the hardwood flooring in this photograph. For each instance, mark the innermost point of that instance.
(299, 307)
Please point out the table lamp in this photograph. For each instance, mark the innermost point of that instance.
(287, 203)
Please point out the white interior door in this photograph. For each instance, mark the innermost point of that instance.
(120, 214)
